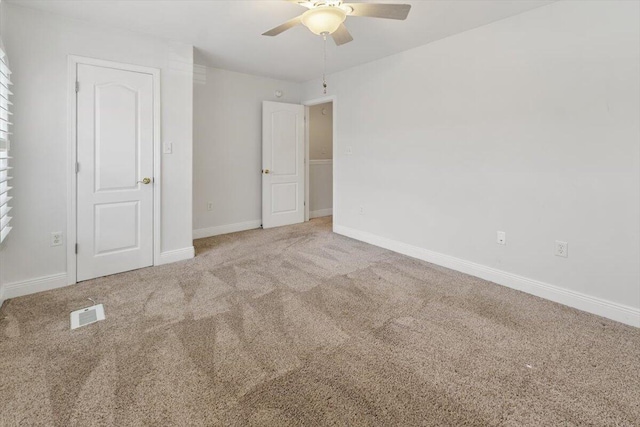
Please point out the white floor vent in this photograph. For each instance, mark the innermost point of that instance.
(87, 316)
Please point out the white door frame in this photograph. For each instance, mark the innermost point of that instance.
(334, 102)
(72, 65)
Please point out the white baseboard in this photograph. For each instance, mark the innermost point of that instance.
(320, 213)
(176, 255)
(601, 307)
(54, 281)
(32, 286)
(226, 229)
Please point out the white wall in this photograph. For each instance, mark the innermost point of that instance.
(320, 160)
(38, 44)
(321, 131)
(530, 125)
(228, 147)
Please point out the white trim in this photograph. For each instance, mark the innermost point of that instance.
(601, 307)
(54, 281)
(168, 257)
(71, 172)
(201, 233)
(157, 165)
(32, 286)
(320, 213)
(72, 64)
(321, 162)
(307, 162)
(334, 102)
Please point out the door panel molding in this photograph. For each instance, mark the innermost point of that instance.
(71, 235)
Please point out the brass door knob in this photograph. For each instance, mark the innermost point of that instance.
(266, 171)
(145, 181)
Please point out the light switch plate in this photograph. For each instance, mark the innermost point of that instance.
(167, 148)
(501, 238)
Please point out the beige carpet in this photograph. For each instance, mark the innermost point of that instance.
(299, 326)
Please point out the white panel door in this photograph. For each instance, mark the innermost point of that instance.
(115, 155)
(282, 164)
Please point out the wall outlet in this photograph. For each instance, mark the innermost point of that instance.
(361, 210)
(56, 238)
(501, 238)
(349, 150)
(562, 249)
(209, 206)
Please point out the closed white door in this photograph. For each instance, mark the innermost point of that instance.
(115, 171)
(282, 164)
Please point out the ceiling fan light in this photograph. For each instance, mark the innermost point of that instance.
(323, 20)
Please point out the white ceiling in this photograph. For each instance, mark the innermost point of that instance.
(227, 34)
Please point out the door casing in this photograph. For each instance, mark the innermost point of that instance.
(72, 65)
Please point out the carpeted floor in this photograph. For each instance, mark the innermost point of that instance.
(300, 326)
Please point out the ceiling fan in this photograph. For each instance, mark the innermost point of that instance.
(327, 17)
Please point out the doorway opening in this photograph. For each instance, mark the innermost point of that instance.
(290, 164)
(320, 171)
(320, 160)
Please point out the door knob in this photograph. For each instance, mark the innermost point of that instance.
(145, 181)
(266, 171)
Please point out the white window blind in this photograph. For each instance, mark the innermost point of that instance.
(5, 123)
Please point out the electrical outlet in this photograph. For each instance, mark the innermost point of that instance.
(349, 150)
(56, 238)
(361, 210)
(209, 206)
(562, 249)
(501, 238)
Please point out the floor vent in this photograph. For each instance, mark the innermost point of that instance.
(87, 316)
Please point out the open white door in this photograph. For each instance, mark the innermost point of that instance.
(282, 164)
(115, 171)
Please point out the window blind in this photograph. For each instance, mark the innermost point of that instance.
(5, 123)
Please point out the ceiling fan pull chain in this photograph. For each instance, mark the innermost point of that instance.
(324, 65)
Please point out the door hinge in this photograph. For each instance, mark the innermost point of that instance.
(76, 248)
(77, 86)
(77, 167)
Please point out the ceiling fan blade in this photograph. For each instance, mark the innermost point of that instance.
(284, 27)
(303, 3)
(341, 35)
(379, 10)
